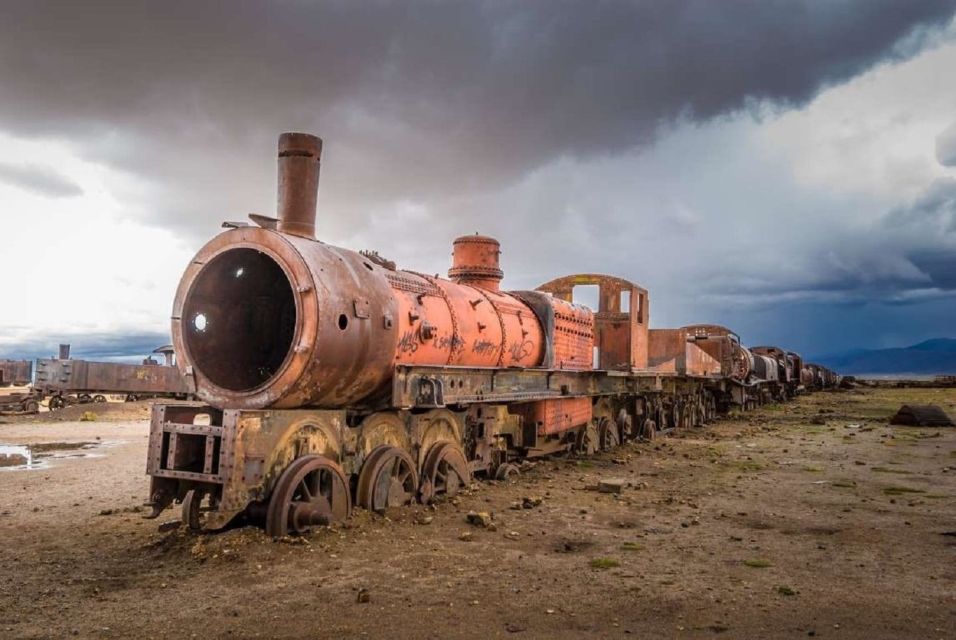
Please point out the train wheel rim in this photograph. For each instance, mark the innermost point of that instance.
(312, 491)
(445, 472)
(192, 514)
(608, 434)
(388, 479)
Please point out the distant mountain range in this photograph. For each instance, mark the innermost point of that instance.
(930, 357)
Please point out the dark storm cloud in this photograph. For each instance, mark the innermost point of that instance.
(41, 180)
(426, 102)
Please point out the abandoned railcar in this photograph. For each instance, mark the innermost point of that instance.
(330, 378)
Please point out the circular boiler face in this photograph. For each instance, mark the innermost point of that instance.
(239, 319)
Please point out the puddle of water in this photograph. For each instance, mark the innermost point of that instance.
(33, 456)
(15, 455)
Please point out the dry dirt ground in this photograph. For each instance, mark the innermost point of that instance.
(760, 526)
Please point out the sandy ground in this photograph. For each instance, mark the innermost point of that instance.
(761, 526)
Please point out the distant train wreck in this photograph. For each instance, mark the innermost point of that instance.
(63, 381)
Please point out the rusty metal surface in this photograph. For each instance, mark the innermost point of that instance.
(671, 350)
(723, 345)
(424, 387)
(327, 370)
(554, 416)
(784, 364)
(475, 262)
(298, 177)
(16, 403)
(16, 372)
(620, 322)
(55, 376)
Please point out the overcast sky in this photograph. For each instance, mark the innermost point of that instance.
(785, 168)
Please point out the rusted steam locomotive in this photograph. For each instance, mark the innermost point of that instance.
(330, 378)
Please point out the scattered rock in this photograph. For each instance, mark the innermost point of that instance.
(363, 596)
(611, 485)
(479, 518)
(466, 536)
(530, 502)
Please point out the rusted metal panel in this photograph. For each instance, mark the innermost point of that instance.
(427, 387)
(555, 416)
(573, 336)
(238, 456)
(16, 372)
(723, 345)
(784, 372)
(72, 376)
(620, 322)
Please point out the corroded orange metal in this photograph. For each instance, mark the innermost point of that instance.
(723, 345)
(670, 351)
(620, 329)
(269, 317)
(555, 416)
(475, 262)
(441, 322)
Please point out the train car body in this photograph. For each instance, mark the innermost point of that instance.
(16, 372)
(68, 381)
(330, 377)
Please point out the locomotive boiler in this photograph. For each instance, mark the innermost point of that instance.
(329, 377)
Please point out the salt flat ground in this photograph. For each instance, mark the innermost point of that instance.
(764, 525)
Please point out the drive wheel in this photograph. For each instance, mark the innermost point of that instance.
(312, 491)
(649, 430)
(56, 402)
(445, 472)
(609, 435)
(388, 479)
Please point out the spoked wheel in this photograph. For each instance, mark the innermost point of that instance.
(84, 398)
(192, 509)
(56, 402)
(312, 491)
(132, 397)
(99, 398)
(609, 436)
(31, 407)
(445, 472)
(388, 479)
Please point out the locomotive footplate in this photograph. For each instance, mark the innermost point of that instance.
(427, 387)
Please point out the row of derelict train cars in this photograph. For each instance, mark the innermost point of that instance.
(62, 381)
(326, 378)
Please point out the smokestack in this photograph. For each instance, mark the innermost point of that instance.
(299, 159)
(64, 352)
